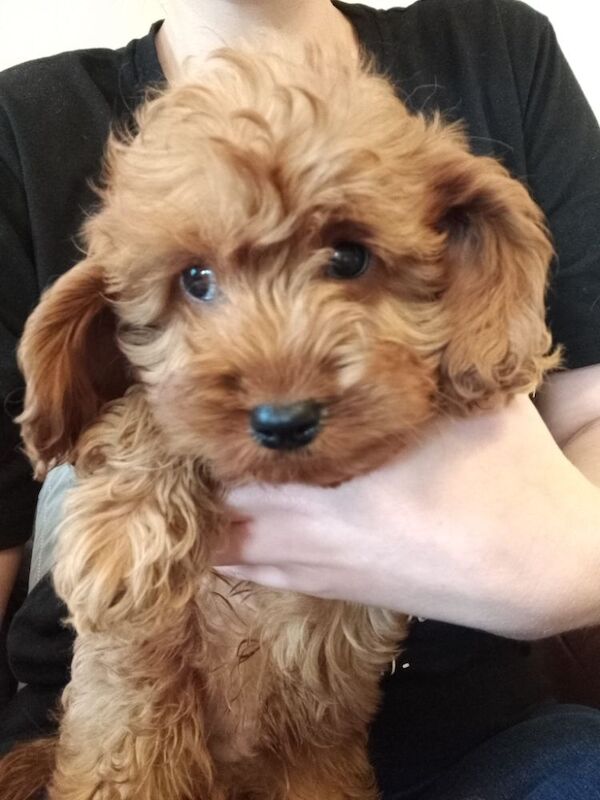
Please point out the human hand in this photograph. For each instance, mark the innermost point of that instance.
(469, 527)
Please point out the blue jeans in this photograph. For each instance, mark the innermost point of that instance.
(552, 755)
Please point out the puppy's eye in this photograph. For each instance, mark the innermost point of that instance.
(349, 260)
(199, 282)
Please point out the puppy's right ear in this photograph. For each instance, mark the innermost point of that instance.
(71, 363)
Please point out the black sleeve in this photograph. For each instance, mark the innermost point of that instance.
(562, 148)
(40, 652)
(55, 115)
(18, 295)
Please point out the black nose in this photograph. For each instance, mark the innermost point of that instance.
(286, 427)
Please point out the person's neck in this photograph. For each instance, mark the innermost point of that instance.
(194, 28)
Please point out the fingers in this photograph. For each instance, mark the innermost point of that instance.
(265, 575)
(289, 497)
(231, 546)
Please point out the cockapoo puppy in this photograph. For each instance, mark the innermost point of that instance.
(288, 277)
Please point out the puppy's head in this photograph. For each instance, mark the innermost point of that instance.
(299, 274)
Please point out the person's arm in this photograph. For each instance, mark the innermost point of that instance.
(485, 524)
(18, 293)
(10, 561)
(570, 406)
(569, 403)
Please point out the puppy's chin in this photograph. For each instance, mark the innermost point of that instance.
(251, 463)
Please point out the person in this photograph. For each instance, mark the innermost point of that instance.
(490, 527)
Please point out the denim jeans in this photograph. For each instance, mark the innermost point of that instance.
(553, 755)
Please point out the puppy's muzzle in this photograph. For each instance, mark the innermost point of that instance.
(286, 427)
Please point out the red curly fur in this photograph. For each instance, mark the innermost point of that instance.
(185, 687)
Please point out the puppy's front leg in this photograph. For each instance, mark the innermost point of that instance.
(133, 726)
(132, 550)
(339, 773)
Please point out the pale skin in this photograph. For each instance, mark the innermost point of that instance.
(491, 522)
(193, 29)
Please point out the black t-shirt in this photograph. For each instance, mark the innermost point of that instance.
(494, 64)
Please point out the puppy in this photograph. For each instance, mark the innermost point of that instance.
(288, 277)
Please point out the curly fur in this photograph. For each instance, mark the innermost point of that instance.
(185, 687)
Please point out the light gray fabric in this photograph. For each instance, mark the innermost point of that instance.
(47, 519)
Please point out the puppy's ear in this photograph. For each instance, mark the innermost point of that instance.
(497, 254)
(71, 363)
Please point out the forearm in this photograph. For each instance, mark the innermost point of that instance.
(506, 532)
(583, 451)
(10, 561)
(583, 607)
(562, 563)
(522, 552)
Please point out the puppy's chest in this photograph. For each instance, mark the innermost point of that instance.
(252, 658)
(234, 667)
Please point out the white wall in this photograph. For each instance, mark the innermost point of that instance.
(31, 28)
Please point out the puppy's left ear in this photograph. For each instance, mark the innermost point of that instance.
(497, 254)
